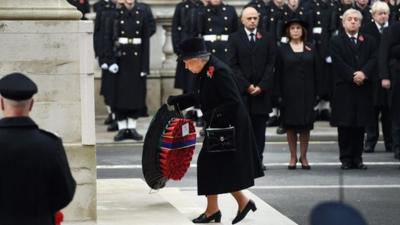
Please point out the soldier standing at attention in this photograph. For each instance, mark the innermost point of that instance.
(128, 56)
(36, 180)
(216, 22)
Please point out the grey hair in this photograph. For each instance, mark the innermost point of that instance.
(380, 7)
(204, 58)
(17, 104)
(352, 11)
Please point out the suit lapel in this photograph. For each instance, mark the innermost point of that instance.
(245, 39)
(348, 42)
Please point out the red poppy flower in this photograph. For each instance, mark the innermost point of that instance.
(258, 36)
(210, 72)
(361, 38)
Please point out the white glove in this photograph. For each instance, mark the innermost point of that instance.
(113, 68)
(143, 74)
(104, 66)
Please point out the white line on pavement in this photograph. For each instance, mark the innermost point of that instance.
(137, 166)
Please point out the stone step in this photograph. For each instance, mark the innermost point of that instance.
(191, 205)
(129, 202)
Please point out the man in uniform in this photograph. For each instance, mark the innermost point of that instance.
(36, 180)
(105, 10)
(354, 61)
(127, 50)
(389, 71)
(251, 55)
(216, 22)
(380, 13)
(363, 7)
(261, 6)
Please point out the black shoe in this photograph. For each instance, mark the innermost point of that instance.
(368, 149)
(304, 166)
(135, 135)
(280, 130)
(241, 215)
(272, 121)
(360, 166)
(292, 167)
(346, 166)
(108, 120)
(204, 219)
(113, 126)
(121, 135)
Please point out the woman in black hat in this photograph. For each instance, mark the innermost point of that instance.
(219, 99)
(296, 72)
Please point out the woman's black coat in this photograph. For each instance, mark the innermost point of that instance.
(218, 94)
(296, 74)
(352, 105)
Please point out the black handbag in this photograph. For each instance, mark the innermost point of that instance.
(220, 140)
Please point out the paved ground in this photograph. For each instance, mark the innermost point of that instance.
(375, 192)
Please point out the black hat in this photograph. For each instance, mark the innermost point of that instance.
(193, 48)
(17, 86)
(292, 21)
(335, 213)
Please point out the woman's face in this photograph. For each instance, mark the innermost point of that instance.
(194, 65)
(295, 31)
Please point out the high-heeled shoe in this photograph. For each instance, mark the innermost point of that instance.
(216, 217)
(303, 166)
(292, 167)
(241, 215)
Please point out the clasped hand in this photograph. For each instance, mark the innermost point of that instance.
(254, 90)
(359, 78)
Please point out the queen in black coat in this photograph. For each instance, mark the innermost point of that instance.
(217, 94)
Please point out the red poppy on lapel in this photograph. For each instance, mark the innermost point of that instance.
(258, 36)
(360, 38)
(307, 48)
(210, 72)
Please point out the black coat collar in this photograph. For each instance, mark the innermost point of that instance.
(11, 122)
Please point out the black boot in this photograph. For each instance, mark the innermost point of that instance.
(135, 135)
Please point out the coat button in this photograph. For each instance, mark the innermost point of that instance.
(135, 53)
(213, 51)
(223, 9)
(208, 10)
(123, 53)
(319, 22)
(187, 6)
(318, 13)
(122, 32)
(122, 22)
(210, 29)
(209, 19)
(179, 28)
(137, 22)
(226, 28)
(122, 12)
(225, 18)
(137, 32)
(272, 10)
(226, 50)
(137, 12)
(272, 19)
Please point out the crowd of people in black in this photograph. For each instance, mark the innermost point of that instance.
(294, 62)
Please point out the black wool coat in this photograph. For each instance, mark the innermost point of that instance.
(352, 105)
(35, 180)
(132, 59)
(218, 94)
(380, 94)
(253, 65)
(389, 67)
(297, 78)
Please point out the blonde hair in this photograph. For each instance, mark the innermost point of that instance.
(379, 6)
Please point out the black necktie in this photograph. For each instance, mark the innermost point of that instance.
(381, 29)
(252, 40)
(353, 40)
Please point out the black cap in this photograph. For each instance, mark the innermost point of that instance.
(335, 213)
(18, 87)
(193, 48)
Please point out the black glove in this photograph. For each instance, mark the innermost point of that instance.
(173, 100)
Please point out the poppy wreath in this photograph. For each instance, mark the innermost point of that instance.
(59, 217)
(177, 148)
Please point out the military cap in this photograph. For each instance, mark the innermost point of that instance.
(335, 213)
(18, 87)
(193, 48)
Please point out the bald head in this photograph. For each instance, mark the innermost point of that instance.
(250, 18)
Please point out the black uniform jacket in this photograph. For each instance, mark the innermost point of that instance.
(253, 65)
(35, 180)
(389, 66)
(296, 73)
(352, 105)
(217, 94)
(380, 94)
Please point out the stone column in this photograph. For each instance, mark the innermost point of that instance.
(46, 40)
(167, 71)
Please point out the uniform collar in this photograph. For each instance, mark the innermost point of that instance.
(11, 122)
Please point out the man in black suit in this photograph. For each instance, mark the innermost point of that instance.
(380, 13)
(36, 180)
(389, 72)
(354, 62)
(251, 55)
